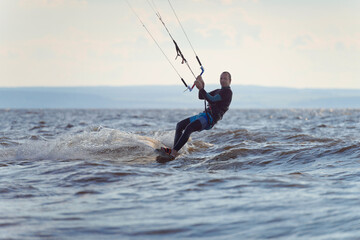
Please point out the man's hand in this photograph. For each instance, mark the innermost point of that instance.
(199, 83)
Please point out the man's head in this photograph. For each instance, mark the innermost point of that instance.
(225, 79)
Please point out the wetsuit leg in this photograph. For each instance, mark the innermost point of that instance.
(190, 128)
(180, 126)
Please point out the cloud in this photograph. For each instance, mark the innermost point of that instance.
(263, 43)
(228, 26)
(52, 3)
(304, 41)
(232, 1)
(227, 1)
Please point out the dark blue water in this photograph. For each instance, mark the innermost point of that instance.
(259, 174)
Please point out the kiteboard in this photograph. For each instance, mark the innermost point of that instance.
(160, 155)
(163, 157)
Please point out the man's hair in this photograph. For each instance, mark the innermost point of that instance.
(228, 75)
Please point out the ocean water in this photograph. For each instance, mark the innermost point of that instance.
(258, 174)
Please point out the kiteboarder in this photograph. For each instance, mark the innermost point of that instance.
(218, 103)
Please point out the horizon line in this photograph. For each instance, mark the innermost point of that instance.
(174, 85)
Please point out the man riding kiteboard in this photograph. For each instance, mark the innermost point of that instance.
(218, 103)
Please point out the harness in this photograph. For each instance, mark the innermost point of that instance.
(209, 116)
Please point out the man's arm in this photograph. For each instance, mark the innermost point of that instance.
(211, 99)
(205, 95)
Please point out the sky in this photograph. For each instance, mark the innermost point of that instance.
(287, 43)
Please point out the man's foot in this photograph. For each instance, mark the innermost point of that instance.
(165, 155)
(170, 151)
(166, 150)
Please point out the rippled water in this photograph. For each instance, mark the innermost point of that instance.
(259, 174)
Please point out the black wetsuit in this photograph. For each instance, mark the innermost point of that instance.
(219, 101)
(217, 107)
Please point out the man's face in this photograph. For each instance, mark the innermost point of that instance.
(224, 80)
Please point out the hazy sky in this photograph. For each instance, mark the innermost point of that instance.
(292, 43)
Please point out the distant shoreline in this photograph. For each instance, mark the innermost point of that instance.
(173, 97)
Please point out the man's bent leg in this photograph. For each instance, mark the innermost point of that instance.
(180, 126)
(190, 128)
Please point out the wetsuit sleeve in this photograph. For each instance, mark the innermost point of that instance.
(209, 97)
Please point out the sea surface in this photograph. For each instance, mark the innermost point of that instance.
(258, 174)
